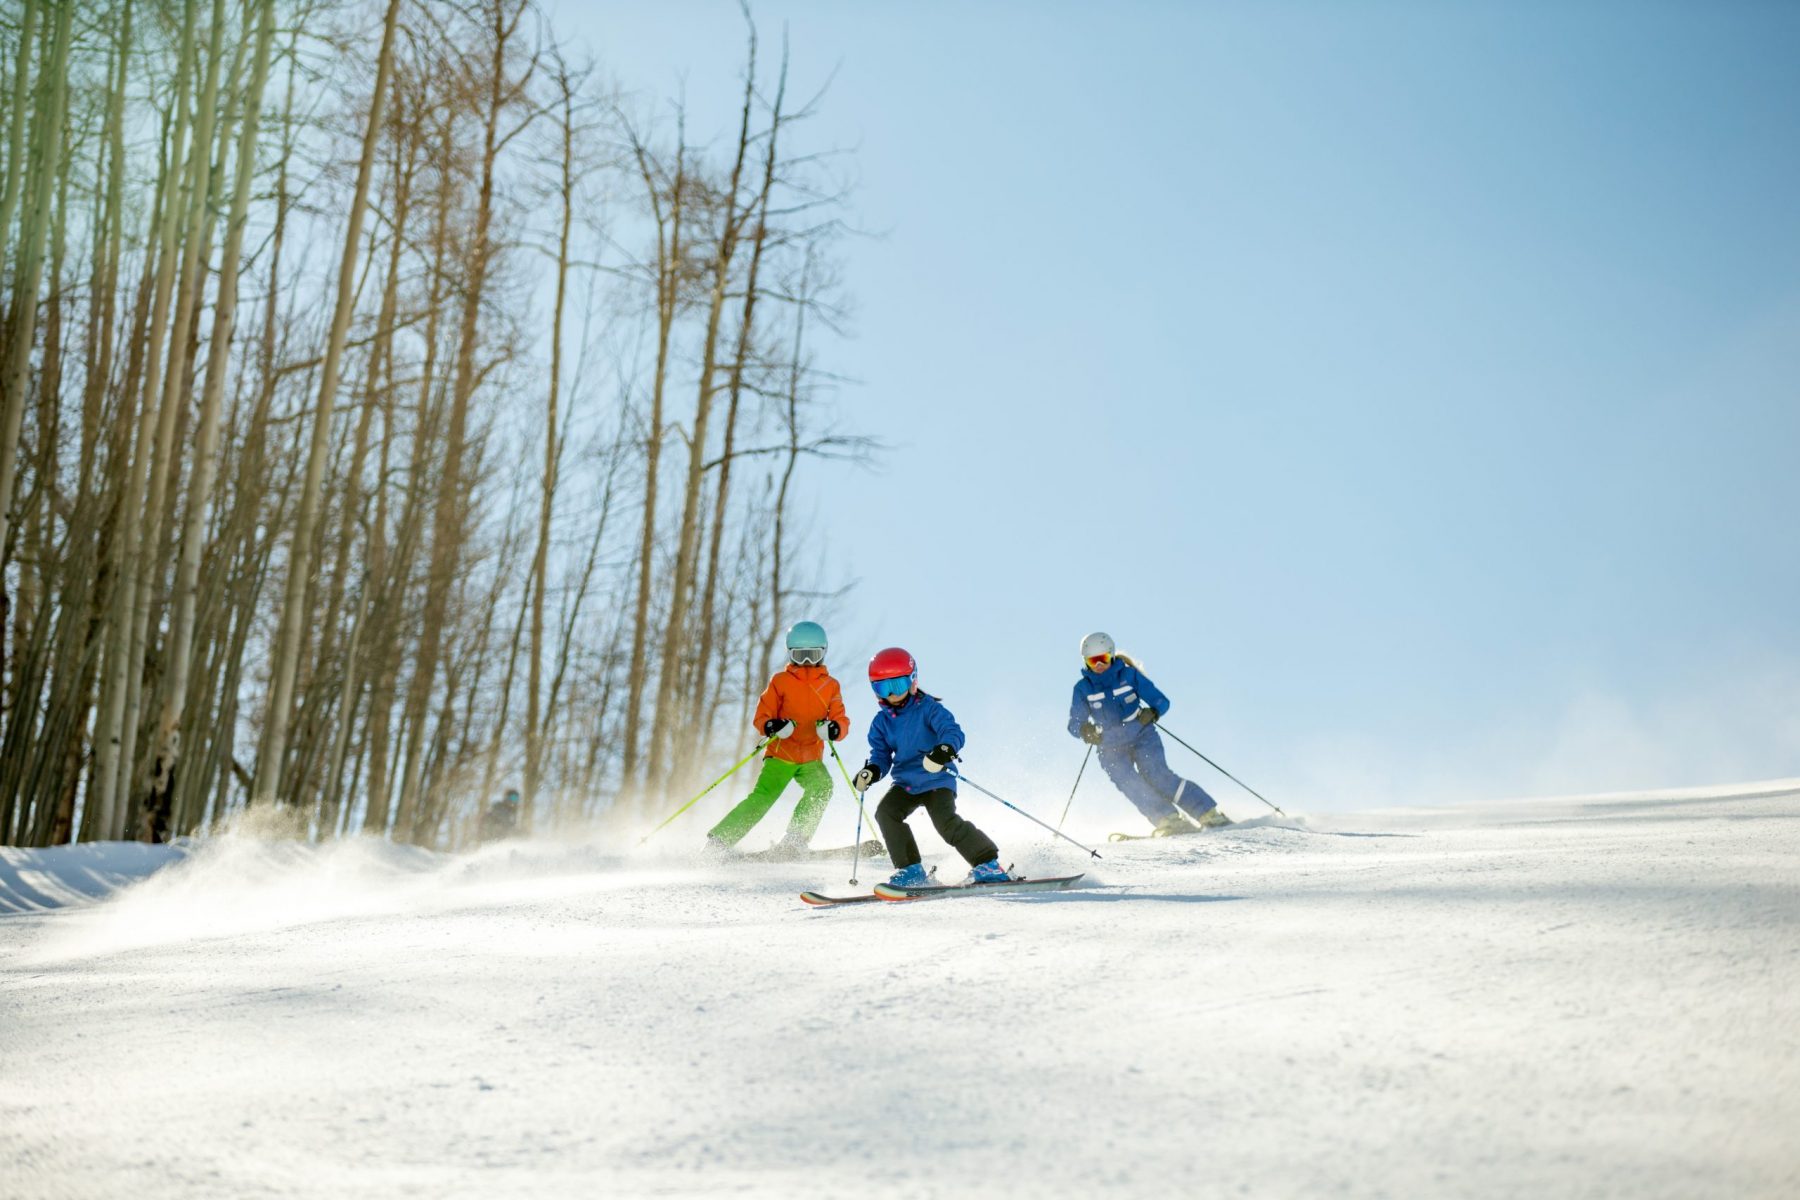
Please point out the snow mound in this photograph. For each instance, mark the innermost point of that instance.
(239, 884)
(34, 880)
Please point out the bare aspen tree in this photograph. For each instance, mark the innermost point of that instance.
(103, 303)
(378, 390)
(111, 761)
(540, 562)
(796, 363)
(447, 518)
(180, 653)
(31, 260)
(188, 286)
(78, 693)
(668, 284)
(739, 360)
(15, 136)
(688, 540)
(393, 580)
(293, 609)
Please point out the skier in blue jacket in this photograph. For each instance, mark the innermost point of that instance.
(912, 740)
(1114, 708)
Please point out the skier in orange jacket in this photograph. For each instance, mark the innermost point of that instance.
(801, 703)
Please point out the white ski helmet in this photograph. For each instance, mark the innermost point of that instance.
(1096, 644)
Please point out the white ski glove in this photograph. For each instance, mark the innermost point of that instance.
(865, 779)
(776, 728)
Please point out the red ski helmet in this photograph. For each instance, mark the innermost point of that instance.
(889, 666)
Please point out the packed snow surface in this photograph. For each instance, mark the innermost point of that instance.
(1586, 997)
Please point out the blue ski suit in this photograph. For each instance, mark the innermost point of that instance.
(1130, 752)
(899, 738)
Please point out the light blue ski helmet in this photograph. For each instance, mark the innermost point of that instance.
(806, 643)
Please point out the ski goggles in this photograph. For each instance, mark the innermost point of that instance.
(892, 689)
(1098, 662)
(806, 656)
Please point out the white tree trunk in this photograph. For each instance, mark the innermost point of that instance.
(293, 608)
(31, 250)
(121, 665)
(193, 536)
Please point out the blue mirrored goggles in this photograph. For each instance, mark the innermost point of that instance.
(892, 689)
(806, 656)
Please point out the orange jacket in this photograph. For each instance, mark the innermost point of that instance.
(803, 695)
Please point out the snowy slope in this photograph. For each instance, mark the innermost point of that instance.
(1579, 997)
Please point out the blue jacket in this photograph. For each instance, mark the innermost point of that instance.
(1110, 700)
(899, 738)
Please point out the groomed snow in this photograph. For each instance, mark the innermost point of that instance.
(1582, 997)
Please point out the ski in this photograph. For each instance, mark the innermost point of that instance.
(819, 900)
(1189, 831)
(938, 891)
(1152, 837)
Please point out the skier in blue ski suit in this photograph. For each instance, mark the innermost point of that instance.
(912, 742)
(1114, 708)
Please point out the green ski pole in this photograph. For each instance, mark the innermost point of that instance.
(709, 787)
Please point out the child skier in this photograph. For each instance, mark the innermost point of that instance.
(800, 702)
(913, 738)
(1114, 707)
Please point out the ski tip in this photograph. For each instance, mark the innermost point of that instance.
(820, 900)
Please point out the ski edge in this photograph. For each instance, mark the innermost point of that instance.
(896, 895)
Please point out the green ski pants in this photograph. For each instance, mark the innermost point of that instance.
(815, 792)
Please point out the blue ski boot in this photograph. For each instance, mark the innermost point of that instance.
(910, 877)
(988, 872)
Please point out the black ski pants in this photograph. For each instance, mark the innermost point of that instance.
(940, 805)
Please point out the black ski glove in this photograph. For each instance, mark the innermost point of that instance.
(939, 757)
(865, 778)
(834, 729)
(1092, 734)
(1146, 716)
(778, 727)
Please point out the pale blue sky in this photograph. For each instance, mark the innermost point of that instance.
(1416, 387)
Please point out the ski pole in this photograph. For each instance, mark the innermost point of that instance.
(1065, 837)
(709, 787)
(1078, 775)
(856, 851)
(1221, 770)
(861, 814)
